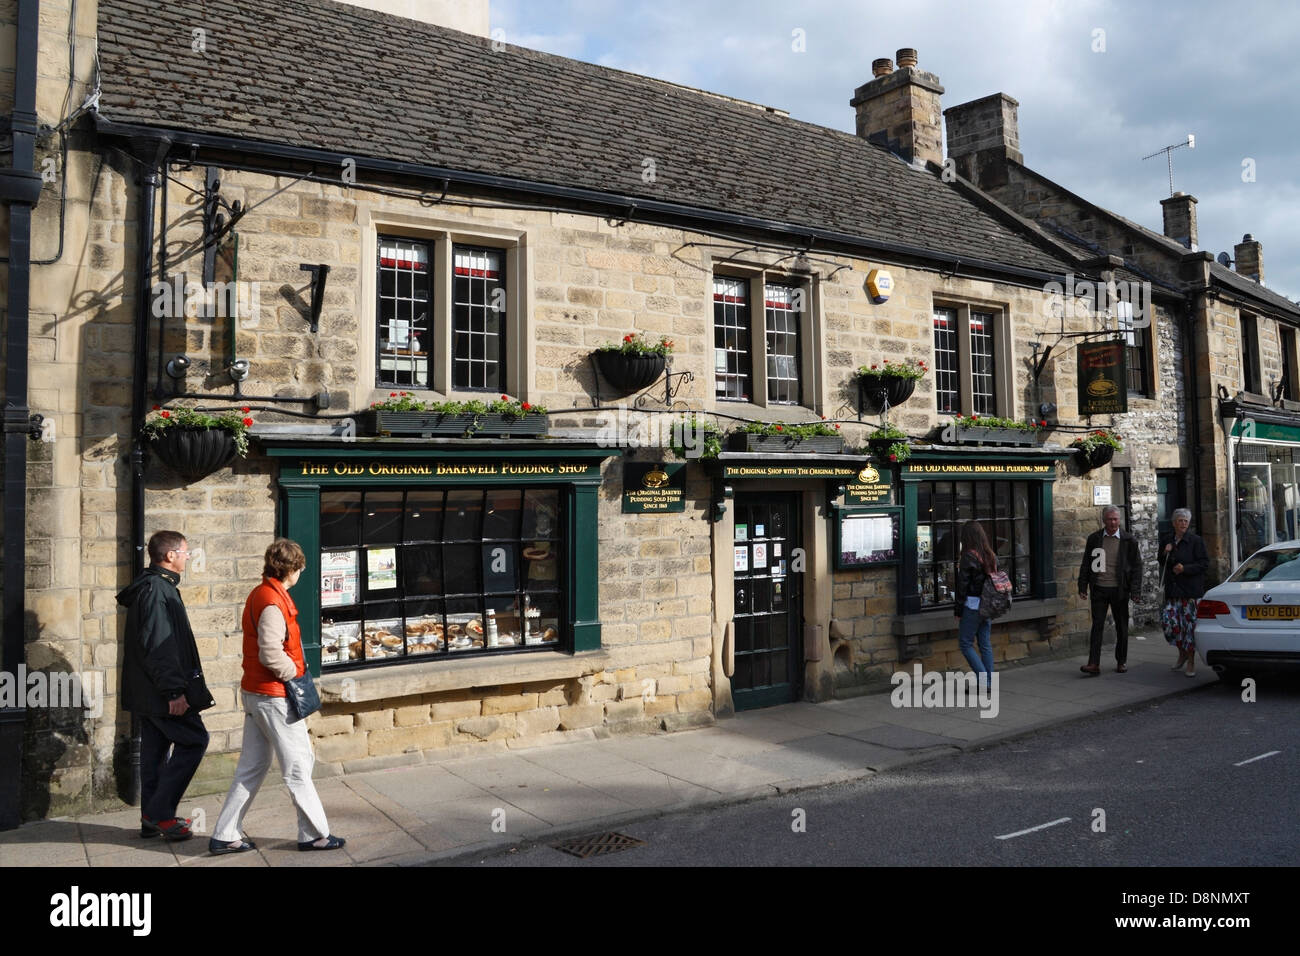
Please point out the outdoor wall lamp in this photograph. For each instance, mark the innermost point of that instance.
(177, 366)
(721, 493)
(238, 369)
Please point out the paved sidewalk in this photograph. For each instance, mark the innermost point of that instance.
(446, 808)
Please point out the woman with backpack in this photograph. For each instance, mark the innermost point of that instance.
(977, 562)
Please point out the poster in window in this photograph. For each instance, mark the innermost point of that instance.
(742, 532)
(338, 578)
(923, 548)
(760, 556)
(381, 569)
(742, 558)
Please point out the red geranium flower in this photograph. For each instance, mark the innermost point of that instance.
(156, 407)
(837, 427)
(248, 421)
(166, 414)
(1043, 423)
(525, 406)
(893, 458)
(627, 338)
(974, 418)
(874, 366)
(505, 398)
(245, 409)
(392, 394)
(780, 428)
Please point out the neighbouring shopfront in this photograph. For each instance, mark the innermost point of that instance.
(1264, 452)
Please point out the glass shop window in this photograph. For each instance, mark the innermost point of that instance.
(432, 573)
(942, 507)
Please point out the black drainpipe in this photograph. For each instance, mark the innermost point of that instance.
(151, 153)
(20, 188)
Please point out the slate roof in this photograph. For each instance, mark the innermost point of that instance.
(318, 74)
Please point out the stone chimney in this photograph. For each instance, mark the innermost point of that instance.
(1180, 219)
(1249, 257)
(467, 16)
(899, 109)
(982, 135)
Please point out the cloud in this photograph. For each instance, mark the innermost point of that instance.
(1100, 85)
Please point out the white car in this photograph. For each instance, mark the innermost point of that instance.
(1251, 622)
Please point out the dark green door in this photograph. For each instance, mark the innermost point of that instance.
(769, 605)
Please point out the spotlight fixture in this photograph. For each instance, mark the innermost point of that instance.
(177, 366)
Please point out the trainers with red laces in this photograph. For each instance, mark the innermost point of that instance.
(150, 828)
(177, 828)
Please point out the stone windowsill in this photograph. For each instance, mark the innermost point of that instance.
(935, 622)
(434, 677)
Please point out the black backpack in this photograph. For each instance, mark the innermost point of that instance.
(995, 600)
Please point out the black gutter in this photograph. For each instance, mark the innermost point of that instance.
(20, 188)
(617, 204)
(150, 152)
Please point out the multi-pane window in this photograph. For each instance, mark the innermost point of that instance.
(946, 383)
(404, 339)
(1136, 360)
(1119, 496)
(983, 397)
(478, 312)
(781, 304)
(943, 507)
(732, 361)
(1250, 380)
(435, 572)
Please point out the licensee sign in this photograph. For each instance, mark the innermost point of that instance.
(1103, 378)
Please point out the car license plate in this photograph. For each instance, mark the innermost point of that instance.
(1268, 612)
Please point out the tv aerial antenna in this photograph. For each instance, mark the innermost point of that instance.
(1169, 156)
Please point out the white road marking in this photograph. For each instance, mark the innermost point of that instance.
(1041, 826)
(1271, 753)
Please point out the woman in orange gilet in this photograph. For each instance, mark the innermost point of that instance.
(273, 655)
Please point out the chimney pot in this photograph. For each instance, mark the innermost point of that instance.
(882, 67)
(906, 57)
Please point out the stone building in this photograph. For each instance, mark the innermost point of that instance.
(275, 206)
(1222, 346)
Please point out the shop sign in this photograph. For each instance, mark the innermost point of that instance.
(945, 469)
(788, 471)
(870, 486)
(659, 487)
(405, 468)
(1103, 378)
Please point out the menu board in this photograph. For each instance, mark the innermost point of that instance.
(338, 578)
(865, 538)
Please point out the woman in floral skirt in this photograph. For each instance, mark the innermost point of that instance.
(1183, 561)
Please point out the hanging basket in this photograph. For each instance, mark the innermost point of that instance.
(630, 373)
(194, 453)
(1100, 455)
(877, 389)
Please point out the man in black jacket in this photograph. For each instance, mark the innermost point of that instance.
(161, 662)
(1112, 567)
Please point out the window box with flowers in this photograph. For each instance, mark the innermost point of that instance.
(890, 384)
(889, 444)
(817, 437)
(401, 414)
(990, 430)
(635, 363)
(1096, 448)
(193, 443)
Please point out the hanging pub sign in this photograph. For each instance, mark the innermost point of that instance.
(871, 486)
(1103, 378)
(654, 487)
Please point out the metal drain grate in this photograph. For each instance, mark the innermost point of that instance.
(597, 844)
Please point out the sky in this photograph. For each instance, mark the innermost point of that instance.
(1100, 85)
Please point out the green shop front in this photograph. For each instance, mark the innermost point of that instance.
(433, 553)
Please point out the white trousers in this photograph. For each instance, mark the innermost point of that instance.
(267, 731)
